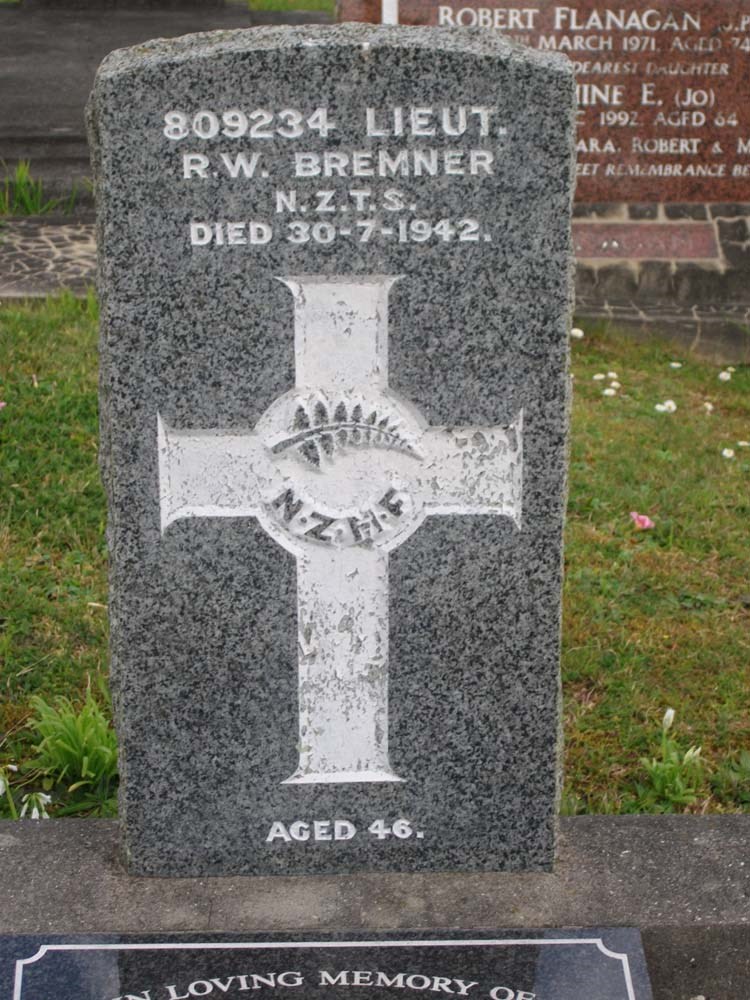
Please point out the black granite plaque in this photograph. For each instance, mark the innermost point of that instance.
(590, 964)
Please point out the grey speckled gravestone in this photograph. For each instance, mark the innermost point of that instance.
(335, 281)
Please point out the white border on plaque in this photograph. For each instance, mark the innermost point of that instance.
(309, 945)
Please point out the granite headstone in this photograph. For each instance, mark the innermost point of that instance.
(335, 281)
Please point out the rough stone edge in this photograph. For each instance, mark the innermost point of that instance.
(210, 44)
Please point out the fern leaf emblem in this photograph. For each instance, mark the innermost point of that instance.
(316, 431)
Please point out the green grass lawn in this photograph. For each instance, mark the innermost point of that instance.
(661, 617)
(653, 619)
(327, 6)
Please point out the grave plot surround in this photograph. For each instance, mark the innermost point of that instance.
(663, 154)
(663, 115)
(335, 278)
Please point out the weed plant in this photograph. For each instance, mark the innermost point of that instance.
(22, 195)
(730, 784)
(78, 751)
(75, 759)
(673, 778)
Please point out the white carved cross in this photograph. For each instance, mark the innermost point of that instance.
(340, 471)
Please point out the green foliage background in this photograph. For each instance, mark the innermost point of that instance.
(652, 619)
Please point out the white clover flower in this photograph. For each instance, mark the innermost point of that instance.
(576, 333)
(4, 783)
(666, 722)
(708, 407)
(609, 392)
(598, 377)
(37, 802)
(725, 376)
(612, 375)
(731, 369)
(615, 385)
(660, 408)
(670, 406)
(675, 364)
(743, 444)
(727, 453)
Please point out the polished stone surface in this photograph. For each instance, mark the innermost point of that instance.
(662, 93)
(598, 963)
(211, 711)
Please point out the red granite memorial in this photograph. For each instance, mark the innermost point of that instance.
(663, 175)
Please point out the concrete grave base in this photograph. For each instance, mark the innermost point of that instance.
(684, 881)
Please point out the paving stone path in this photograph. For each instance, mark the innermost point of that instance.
(40, 256)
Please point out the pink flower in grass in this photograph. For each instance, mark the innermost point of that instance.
(3, 404)
(641, 521)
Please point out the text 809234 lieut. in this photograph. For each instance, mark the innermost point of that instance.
(390, 144)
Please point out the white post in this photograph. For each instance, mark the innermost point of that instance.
(390, 12)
